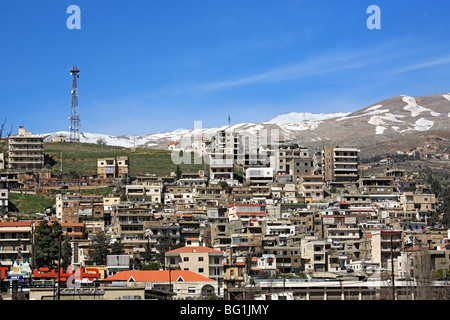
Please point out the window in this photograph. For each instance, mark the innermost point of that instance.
(186, 259)
(132, 297)
(200, 258)
(200, 270)
(191, 290)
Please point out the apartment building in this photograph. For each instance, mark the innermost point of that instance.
(282, 230)
(16, 238)
(3, 200)
(307, 222)
(153, 284)
(294, 160)
(339, 228)
(130, 225)
(2, 161)
(314, 254)
(145, 192)
(259, 175)
(419, 202)
(220, 235)
(311, 186)
(384, 245)
(113, 167)
(340, 165)
(199, 145)
(222, 140)
(74, 208)
(181, 197)
(221, 170)
(157, 231)
(287, 258)
(73, 231)
(108, 207)
(248, 238)
(377, 185)
(247, 213)
(284, 191)
(193, 179)
(266, 264)
(210, 196)
(26, 151)
(202, 260)
(241, 195)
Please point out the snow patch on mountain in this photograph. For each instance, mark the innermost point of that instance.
(423, 124)
(375, 107)
(296, 117)
(379, 129)
(301, 126)
(373, 112)
(413, 107)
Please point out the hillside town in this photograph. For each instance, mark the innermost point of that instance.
(296, 224)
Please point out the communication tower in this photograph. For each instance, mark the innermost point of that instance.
(74, 117)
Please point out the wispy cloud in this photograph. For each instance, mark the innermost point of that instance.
(424, 65)
(316, 66)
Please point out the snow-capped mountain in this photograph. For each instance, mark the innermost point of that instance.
(296, 117)
(394, 117)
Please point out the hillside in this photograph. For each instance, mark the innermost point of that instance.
(81, 158)
(390, 119)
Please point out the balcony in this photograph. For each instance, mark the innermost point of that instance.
(25, 142)
(15, 239)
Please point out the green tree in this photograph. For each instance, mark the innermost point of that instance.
(148, 255)
(117, 248)
(178, 171)
(98, 249)
(165, 244)
(47, 244)
(66, 253)
(151, 266)
(135, 263)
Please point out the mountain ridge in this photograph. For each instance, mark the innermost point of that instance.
(391, 118)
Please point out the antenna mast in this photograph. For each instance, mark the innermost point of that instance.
(74, 117)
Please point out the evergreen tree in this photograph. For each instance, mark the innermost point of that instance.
(148, 255)
(66, 253)
(151, 266)
(47, 244)
(178, 172)
(165, 244)
(117, 248)
(98, 249)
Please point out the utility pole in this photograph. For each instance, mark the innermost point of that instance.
(59, 267)
(392, 273)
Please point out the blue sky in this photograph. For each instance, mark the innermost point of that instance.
(153, 66)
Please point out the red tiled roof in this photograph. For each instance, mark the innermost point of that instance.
(14, 230)
(157, 276)
(188, 249)
(16, 224)
(251, 213)
(246, 204)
